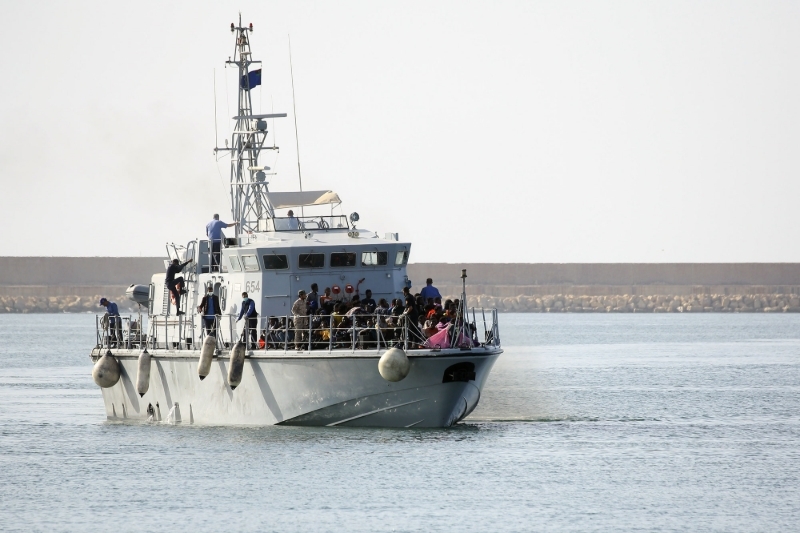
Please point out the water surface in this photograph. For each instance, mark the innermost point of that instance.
(588, 423)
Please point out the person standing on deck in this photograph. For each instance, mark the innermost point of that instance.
(214, 233)
(312, 299)
(293, 222)
(210, 311)
(429, 291)
(300, 312)
(248, 311)
(172, 282)
(114, 322)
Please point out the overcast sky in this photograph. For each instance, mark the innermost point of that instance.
(481, 131)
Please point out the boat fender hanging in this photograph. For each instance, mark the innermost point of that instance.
(143, 373)
(236, 366)
(394, 365)
(206, 355)
(106, 371)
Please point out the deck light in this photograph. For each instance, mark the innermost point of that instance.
(251, 26)
(231, 27)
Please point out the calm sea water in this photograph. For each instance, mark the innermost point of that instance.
(588, 423)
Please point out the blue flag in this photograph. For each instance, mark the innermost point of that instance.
(253, 79)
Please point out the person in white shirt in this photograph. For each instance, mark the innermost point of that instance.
(293, 222)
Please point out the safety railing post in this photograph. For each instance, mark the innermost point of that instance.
(353, 335)
(309, 332)
(485, 331)
(286, 336)
(405, 333)
(330, 334)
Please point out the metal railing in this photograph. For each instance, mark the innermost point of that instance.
(354, 332)
(119, 331)
(309, 223)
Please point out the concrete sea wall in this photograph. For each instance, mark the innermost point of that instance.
(75, 284)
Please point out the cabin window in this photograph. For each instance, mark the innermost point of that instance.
(311, 260)
(275, 262)
(343, 259)
(374, 258)
(401, 258)
(250, 263)
(235, 264)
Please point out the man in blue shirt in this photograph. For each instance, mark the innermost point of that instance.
(114, 322)
(214, 233)
(248, 311)
(429, 291)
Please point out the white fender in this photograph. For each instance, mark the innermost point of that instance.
(143, 373)
(394, 365)
(236, 365)
(206, 355)
(106, 371)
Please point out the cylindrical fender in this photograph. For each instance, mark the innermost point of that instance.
(206, 355)
(236, 365)
(143, 373)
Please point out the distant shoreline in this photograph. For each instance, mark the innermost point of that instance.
(75, 284)
(702, 303)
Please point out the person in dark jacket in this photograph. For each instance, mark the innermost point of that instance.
(248, 311)
(210, 311)
(175, 285)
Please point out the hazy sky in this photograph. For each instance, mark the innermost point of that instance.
(481, 131)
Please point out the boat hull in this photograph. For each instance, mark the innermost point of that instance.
(343, 389)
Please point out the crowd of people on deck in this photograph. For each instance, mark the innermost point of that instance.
(330, 320)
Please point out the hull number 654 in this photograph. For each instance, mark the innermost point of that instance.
(252, 286)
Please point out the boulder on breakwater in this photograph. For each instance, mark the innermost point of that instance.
(626, 303)
(61, 304)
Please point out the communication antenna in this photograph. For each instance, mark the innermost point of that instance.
(294, 112)
(216, 135)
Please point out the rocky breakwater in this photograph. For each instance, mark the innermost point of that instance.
(703, 303)
(60, 304)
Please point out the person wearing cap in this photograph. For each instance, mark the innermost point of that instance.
(429, 291)
(300, 312)
(173, 283)
(248, 311)
(214, 233)
(293, 223)
(114, 322)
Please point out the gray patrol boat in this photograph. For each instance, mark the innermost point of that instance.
(357, 369)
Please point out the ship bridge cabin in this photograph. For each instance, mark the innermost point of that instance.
(286, 253)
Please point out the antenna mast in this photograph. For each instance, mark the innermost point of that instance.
(249, 188)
